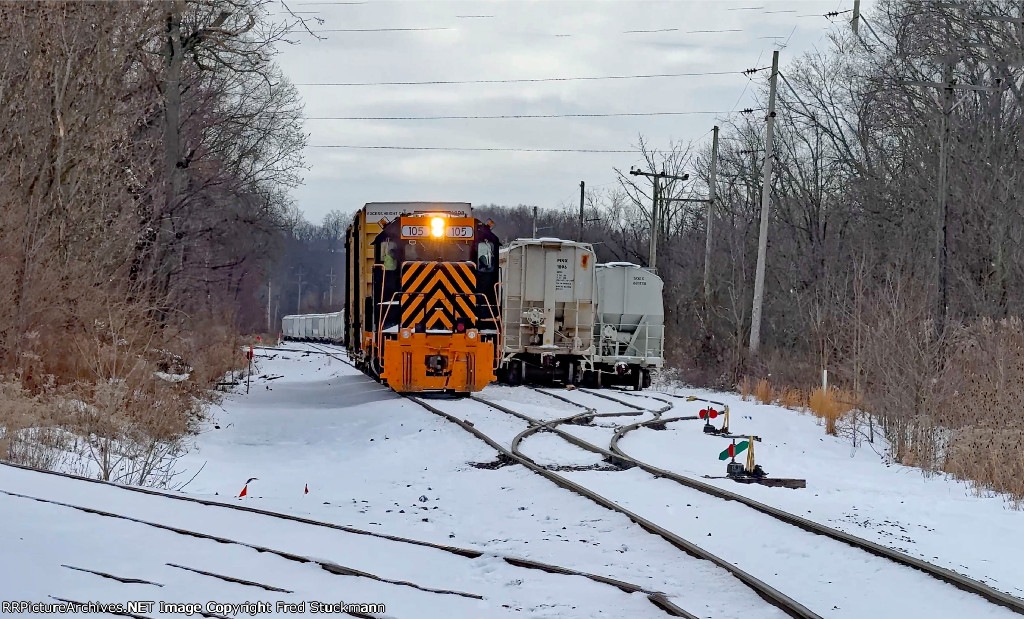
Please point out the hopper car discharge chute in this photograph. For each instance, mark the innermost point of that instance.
(422, 297)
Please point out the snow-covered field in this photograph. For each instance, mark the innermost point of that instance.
(378, 462)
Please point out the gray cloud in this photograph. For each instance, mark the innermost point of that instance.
(521, 40)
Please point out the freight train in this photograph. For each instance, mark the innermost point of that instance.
(569, 320)
(314, 327)
(432, 306)
(421, 296)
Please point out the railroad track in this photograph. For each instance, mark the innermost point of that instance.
(656, 597)
(328, 566)
(617, 456)
(774, 596)
(615, 451)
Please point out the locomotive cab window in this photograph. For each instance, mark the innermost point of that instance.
(388, 254)
(485, 256)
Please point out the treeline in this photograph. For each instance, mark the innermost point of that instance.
(856, 237)
(148, 151)
(309, 274)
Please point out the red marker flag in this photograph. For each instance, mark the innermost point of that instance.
(307, 489)
(245, 490)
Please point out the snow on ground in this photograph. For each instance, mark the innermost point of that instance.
(374, 461)
(378, 462)
(83, 540)
(854, 489)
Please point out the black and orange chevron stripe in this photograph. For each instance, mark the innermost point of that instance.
(438, 294)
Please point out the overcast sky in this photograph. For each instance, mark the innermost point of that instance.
(458, 41)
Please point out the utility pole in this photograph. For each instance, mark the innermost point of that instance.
(942, 185)
(298, 298)
(534, 235)
(942, 223)
(766, 188)
(269, 298)
(580, 237)
(330, 288)
(712, 178)
(652, 252)
(855, 22)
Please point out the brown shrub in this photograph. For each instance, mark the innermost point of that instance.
(791, 398)
(764, 393)
(830, 405)
(744, 388)
(989, 457)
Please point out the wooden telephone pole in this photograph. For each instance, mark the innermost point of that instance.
(652, 251)
(712, 180)
(766, 189)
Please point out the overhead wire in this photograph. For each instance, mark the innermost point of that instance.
(412, 29)
(748, 73)
(488, 149)
(518, 116)
(524, 80)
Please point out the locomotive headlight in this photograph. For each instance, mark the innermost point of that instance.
(437, 227)
(471, 334)
(406, 334)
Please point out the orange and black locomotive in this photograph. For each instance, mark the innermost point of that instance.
(421, 296)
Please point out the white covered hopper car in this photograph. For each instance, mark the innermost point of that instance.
(547, 308)
(314, 327)
(630, 325)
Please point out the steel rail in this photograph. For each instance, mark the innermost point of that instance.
(615, 455)
(328, 566)
(958, 580)
(624, 586)
(770, 594)
(468, 553)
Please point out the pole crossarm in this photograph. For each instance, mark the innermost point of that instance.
(652, 252)
(660, 175)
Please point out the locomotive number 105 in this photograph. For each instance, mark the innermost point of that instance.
(451, 232)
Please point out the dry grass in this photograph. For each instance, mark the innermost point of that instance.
(744, 388)
(114, 399)
(830, 405)
(990, 458)
(764, 392)
(794, 399)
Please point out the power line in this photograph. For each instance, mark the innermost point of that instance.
(417, 29)
(484, 149)
(514, 116)
(677, 30)
(524, 80)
